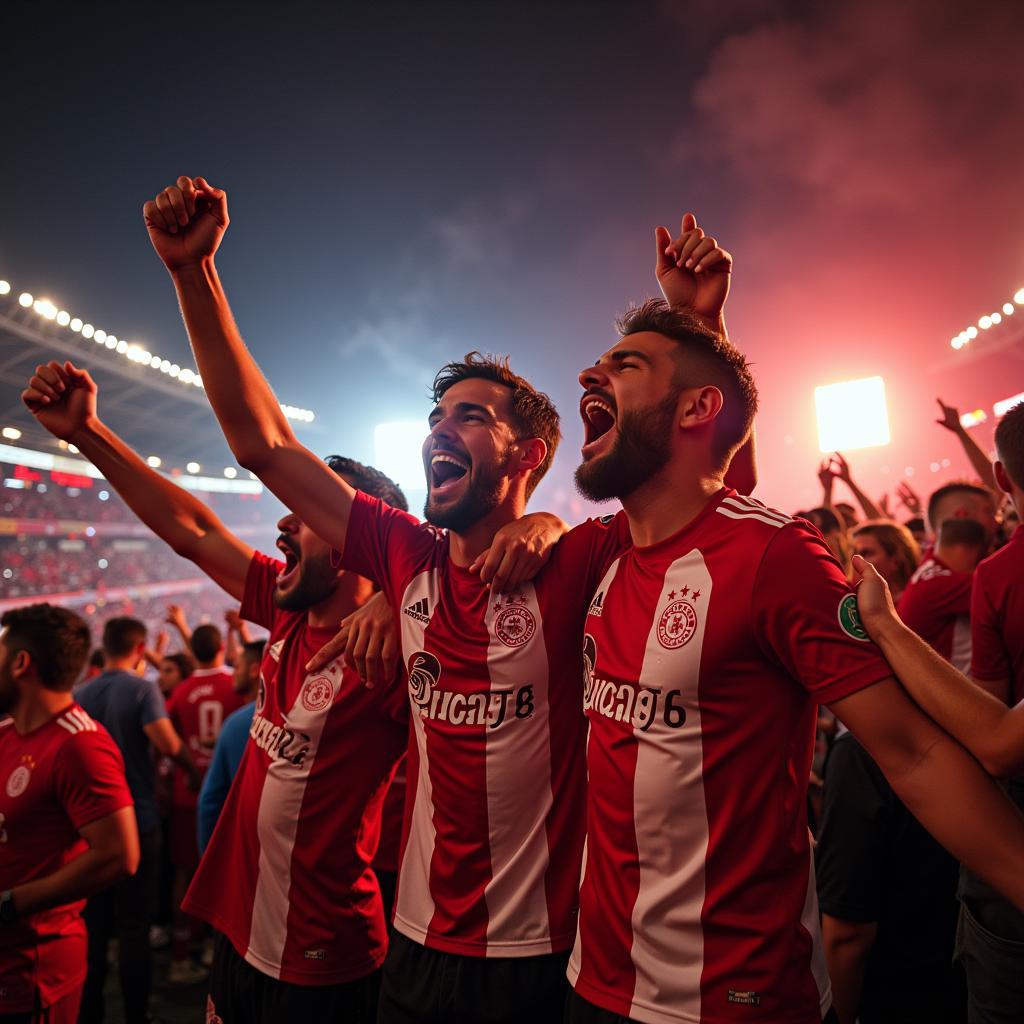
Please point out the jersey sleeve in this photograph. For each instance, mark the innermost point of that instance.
(587, 550)
(258, 597)
(804, 614)
(385, 544)
(89, 778)
(989, 657)
(854, 839)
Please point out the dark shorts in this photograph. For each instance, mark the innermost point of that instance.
(240, 994)
(425, 986)
(995, 971)
(579, 1011)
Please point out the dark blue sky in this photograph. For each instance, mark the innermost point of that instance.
(408, 181)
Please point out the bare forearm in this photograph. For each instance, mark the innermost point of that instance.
(92, 871)
(847, 962)
(980, 722)
(171, 512)
(243, 401)
(870, 509)
(980, 462)
(967, 813)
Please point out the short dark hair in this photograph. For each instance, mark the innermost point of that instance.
(186, 666)
(97, 659)
(963, 532)
(253, 650)
(122, 634)
(533, 412)
(206, 642)
(369, 480)
(718, 362)
(56, 639)
(1010, 444)
(956, 487)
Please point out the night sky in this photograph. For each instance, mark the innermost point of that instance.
(410, 181)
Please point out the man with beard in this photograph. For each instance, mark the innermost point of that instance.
(710, 643)
(485, 911)
(67, 822)
(286, 878)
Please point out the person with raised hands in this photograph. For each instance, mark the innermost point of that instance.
(287, 870)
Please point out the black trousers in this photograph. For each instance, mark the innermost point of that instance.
(124, 910)
(424, 986)
(240, 994)
(579, 1011)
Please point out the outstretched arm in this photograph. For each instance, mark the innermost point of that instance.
(186, 223)
(62, 398)
(870, 509)
(990, 730)
(980, 462)
(694, 273)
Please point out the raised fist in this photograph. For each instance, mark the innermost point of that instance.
(186, 222)
(61, 397)
(693, 271)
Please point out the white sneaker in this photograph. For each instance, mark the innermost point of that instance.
(185, 972)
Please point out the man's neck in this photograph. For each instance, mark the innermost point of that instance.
(958, 558)
(667, 502)
(37, 706)
(217, 662)
(120, 664)
(467, 545)
(351, 593)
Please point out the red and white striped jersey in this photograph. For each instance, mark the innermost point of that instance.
(936, 605)
(494, 817)
(286, 875)
(706, 656)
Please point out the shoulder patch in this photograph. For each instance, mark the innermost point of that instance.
(849, 619)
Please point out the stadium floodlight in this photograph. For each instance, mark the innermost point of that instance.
(11, 433)
(101, 336)
(230, 472)
(121, 346)
(972, 419)
(985, 322)
(87, 330)
(76, 325)
(25, 299)
(397, 448)
(153, 461)
(1019, 297)
(5, 287)
(972, 331)
(1003, 407)
(996, 318)
(63, 318)
(1008, 308)
(852, 414)
(193, 467)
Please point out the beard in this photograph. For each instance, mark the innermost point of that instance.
(482, 495)
(316, 582)
(642, 448)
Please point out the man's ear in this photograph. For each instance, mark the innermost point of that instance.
(20, 664)
(700, 407)
(1003, 478)
(532, 453)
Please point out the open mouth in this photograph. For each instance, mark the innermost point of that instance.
(291, 562)
(446, 471)
(598, 423)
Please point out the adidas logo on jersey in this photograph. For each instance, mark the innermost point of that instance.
(420, 611)
(597, 605)
(275, 650)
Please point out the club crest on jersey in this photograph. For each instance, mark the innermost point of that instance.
(317, 694)
(424, 673)
(514, 625)
(849, 619)
(677, 625)
(18, 780)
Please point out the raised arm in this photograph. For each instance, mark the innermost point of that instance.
(694, 273)
(979, 461)
(63, 399)
(186, 223)
(990, 730)
(870, 509)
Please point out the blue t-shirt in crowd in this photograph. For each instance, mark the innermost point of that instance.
(227, 755)
(123, 703)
